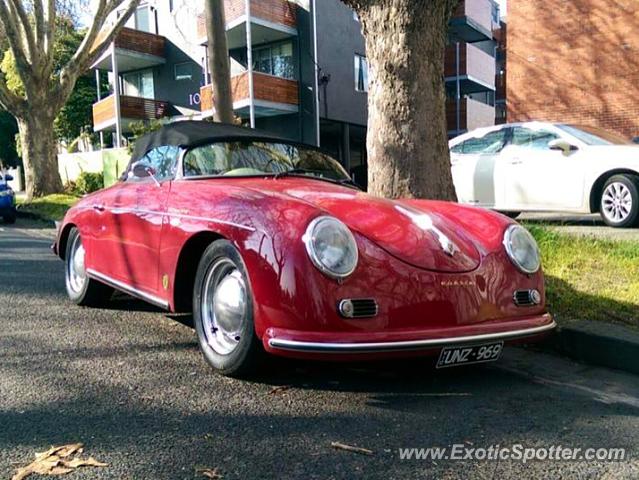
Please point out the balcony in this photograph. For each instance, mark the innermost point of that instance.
(271, 21)
(472, 114)
(273, 95)
(134, 50)
(472, 21)
(476, 68)
(132, 109)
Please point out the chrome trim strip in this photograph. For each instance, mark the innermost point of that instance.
(128, 289)
(122, 210)
(374, 347)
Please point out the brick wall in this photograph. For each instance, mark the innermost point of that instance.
(574, 61)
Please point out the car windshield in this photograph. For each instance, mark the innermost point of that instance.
(594, 136)
(260, 158)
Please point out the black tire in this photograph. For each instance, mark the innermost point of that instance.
(92, 293)
(243, 359)
(512, 215)
(629, 216)
(10, 218)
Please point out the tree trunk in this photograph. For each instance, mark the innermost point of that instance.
(219, 61)
(407, 143)
(39, 154)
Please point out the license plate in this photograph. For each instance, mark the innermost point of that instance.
(466, 355)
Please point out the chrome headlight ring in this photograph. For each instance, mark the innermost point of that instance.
(522, 249)
(331, 246)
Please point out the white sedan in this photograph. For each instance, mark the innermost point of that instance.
(547, 167)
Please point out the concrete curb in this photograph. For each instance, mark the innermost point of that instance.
(597, 343)
(32, 216)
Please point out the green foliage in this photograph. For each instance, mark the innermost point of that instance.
(88, 182)
(589, 278)
(50, 207)
(8, 131)
(141, 128)
(76, 113)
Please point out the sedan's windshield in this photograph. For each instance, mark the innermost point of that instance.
(259, 158)
(594, 136)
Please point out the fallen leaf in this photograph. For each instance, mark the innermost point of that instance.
(57, 461)
(350, 448)
(280, 389)
(210, 473)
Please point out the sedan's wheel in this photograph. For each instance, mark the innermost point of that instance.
(223, 311)
(81, 289)
(10, 218)
(620, 201)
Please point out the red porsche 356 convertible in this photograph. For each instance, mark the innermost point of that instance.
(273, 248)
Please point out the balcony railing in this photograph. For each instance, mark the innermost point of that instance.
(265, 88)
(472, 114)
(277, 12)
(131, 108)
(473, 20)
(140, 42)
(475, 64)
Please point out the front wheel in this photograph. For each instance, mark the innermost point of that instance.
(223, 311)
(620, 201)
(81, 289)
(10, 217)
(512, 215)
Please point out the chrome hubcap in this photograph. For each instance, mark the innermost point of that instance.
(616, 202)
(223, 307)
(77, 274)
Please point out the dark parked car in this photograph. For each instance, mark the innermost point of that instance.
(7, 199)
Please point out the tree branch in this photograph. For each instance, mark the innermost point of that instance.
(20, 14)
(9, 100)
(91, 49)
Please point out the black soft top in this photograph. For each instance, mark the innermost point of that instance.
(193, 133)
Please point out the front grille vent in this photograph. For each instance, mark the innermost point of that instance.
(358, 308)
(526, 298)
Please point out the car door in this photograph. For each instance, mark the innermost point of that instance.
(475, 168)
(537, 177)
(133, 215)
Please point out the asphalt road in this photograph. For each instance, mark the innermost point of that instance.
(130, 383)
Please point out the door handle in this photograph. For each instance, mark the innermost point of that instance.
(99, 208)
(516, 161)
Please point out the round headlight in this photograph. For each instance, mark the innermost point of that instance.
(331, 247)
(522, 249)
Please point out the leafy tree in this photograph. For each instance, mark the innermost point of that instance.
(8, 130)
(30, 29)
(407, 143)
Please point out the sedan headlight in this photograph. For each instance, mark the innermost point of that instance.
(331, 247)
(522, 249)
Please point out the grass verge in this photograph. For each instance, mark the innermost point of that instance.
(590, 279)
(51, 208)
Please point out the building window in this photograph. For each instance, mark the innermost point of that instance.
(143, 19)
(275, 60)
(183, 71)
(361, 73)
(355, 16)
(139, 84)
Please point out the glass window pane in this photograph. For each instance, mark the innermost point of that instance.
(492, 142)
(143, 19)
(183, 71)
(361, 73)
(163, 160)
(533, 139)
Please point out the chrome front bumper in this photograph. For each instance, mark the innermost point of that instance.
(412, 345)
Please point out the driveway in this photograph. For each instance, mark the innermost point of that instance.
(130, 383)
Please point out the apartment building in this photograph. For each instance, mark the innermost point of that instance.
(298, 69)
(574, 62)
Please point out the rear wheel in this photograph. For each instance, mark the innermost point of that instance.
(81, 289)
(620, 201)
(223, 311)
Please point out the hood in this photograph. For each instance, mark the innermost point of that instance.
(421, 238)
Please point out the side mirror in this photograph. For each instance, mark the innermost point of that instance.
(8, 178)
(562, 145)
(142, 170)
